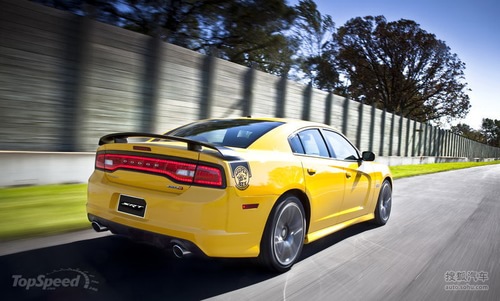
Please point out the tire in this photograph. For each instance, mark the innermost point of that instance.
(384, 204)
(284, 235)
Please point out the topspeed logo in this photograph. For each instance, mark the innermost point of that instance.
(63, 278)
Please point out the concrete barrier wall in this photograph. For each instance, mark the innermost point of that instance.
(41, 168)
(66, 80)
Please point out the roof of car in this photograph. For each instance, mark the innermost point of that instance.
(298, 123)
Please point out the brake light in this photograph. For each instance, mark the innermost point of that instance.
(207, 175)
(178, 171)
(99, 161)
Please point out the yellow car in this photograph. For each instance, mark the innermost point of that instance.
(242, 187)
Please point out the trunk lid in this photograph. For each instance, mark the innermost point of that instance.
(163, 166)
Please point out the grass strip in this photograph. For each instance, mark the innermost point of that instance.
(403, 171)
(50, 209)
(42, 210)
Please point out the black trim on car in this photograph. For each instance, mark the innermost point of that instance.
(192, 145)
(321, 130)
(158, 240)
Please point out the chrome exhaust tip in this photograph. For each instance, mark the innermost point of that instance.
(180, 251)
(98, 227)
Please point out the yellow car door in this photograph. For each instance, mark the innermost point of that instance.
(324, 180)
(357, 191)
(357, 195)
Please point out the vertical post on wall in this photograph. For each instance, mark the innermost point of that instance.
(391, 136)
(382, 133)
(435, 150)
(460, 146)
(281, 86)
(452, 144)
(407, 138)
(420, 137)
(425, 151)
(248, 83)
(435, 140)
(306, 102)
(467, 149)
(360, 125)
(77, 55)
(372, 128)
(428, 130)
(414, 138)
(345, 116)
(455, 144)
(448, 148)
(432, 141)
(400, 135)
(445, 148)
(447, 143)
(207, 85)
(150, 83)
(439, 143)
(461, 141)
(328, 108)
(471, 149)
(463, 148)
(456, 139)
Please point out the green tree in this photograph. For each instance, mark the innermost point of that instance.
(251, 33)
(467, 131)
(491, 131)
(401, 67)
(101, 10)
(314, 31)
(247, 32)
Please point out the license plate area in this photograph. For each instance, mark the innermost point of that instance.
(132, 205)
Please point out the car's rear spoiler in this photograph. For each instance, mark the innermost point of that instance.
(192, 145)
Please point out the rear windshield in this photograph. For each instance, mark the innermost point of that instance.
(235, 132)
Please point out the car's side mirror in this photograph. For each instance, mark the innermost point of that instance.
(368, 156)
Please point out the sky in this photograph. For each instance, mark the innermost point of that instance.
(470, 28)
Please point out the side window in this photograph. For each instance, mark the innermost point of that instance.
(342, 149)
(296, 145)
(313, 143)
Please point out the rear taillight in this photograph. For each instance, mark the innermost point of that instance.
(184, 172)
(207, 175)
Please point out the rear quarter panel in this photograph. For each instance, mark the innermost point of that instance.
(268, 176)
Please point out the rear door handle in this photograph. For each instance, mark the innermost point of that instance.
(348, 175)
(311, 171)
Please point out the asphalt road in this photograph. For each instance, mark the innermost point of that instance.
(441, 243)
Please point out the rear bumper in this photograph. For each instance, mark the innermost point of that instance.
(159, 240)
(212, 243)
(206, 221)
